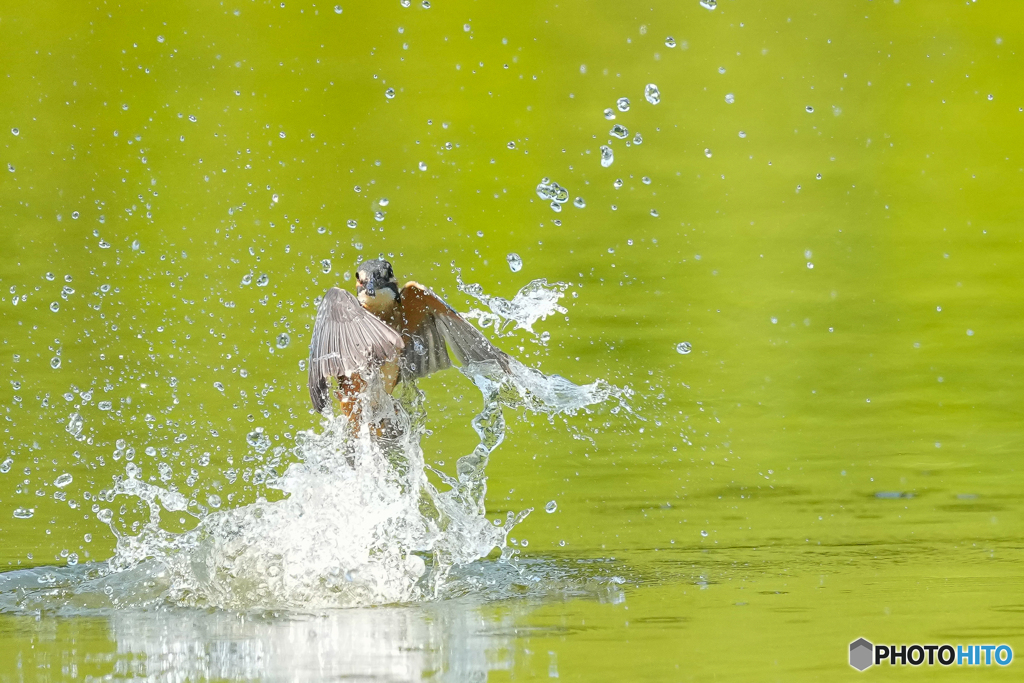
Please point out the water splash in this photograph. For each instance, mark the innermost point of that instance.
(358, 522)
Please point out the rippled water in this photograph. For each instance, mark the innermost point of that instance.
(788, 233)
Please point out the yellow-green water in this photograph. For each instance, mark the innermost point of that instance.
(846, 435)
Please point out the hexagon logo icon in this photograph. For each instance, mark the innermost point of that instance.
(861, 654)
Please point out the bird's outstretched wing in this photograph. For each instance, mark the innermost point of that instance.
(346, 339)
(430, 323)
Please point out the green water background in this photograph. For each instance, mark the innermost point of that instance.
(846, 435)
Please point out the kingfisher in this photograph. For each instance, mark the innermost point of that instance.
(396, 334)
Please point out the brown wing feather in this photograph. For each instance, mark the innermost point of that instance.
(428, 323)
(346, 339)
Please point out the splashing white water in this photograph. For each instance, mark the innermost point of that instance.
(536, 301)
(359, 523)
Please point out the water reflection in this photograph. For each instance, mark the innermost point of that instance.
(51, 624)
(455, 640)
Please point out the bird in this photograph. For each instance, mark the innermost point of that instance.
(396, 335)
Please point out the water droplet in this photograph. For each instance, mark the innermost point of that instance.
(702, 532)
(216, 385)
(274, 198)
(423, 166)
(247, 279)
(213, 500)
(991, 97)
(579, 203)
(55, 362)
(810, 265)
(609, 114)
(24, 513)
(818, 176)
(5, 466)
(63, 480)
(337, 10)
(389, 93)
(684, 348)
(262, 280)
(325, 265)
(351, 223)
(550, 190)
(10, 167)
(105, 515)
(622, 103)
(730, 98)
(283, 340)
(556, 207)
(810, 109)
(75, 424)
(105, 405)
(645, 180)
(511, 144)
(515, 262)
(707, 152)
(550, 507)
(742, 134)
(15, 132)
(652, 94)
(670, 42)
(192, 118)
(405, 3)
(55, 306)
(607, 156)
(378, 216)
(638, 139)
(426, 4)
(654, 212)
(72, 559)
(618, 131)
(617, 183)
(383, 201)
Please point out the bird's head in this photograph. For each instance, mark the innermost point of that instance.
(376, 285)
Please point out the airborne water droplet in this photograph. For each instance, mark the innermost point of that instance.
(609, 114)
(709, 4)
(337, 9)
(283, 340)
(515, 262)
(389, 93)
(55, 362)
(684, 348)
(652, 94)
(262, 280)
(550, 507)
(24, 513)
(810, 109)
(730, 98)
(75, 423)
(579, 203)
(325, 265)
(55, 306)
(607, 156)
(622, 104)
(619, 131)
(63, 480)
(670, 42)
